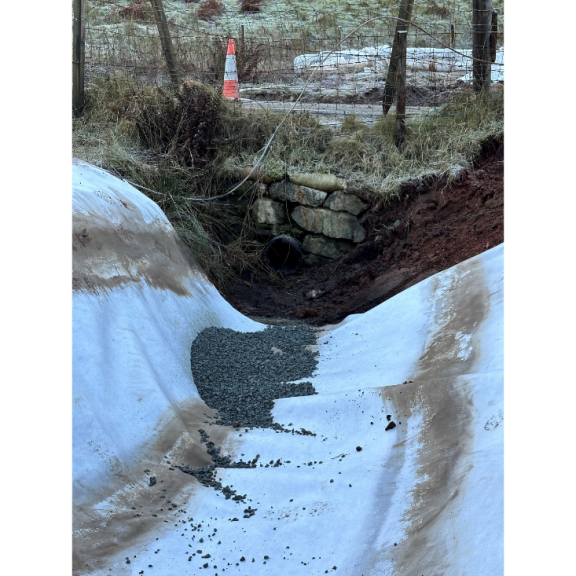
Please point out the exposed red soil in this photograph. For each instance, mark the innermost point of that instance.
(440, 226)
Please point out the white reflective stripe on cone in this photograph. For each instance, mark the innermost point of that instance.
(230, 70)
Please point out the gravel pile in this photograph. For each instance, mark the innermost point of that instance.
(240, 374)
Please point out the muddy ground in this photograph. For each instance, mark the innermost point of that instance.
(440, 226)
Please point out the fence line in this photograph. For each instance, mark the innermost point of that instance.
(273, 62)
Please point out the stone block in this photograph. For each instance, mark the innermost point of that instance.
(342, 202)
(327, 247)
(330, 223)
(290, 192)
(325, 182)
(266, 211)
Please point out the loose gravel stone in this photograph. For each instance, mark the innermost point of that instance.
(239, 375)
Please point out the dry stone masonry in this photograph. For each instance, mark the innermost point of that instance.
(319, 205)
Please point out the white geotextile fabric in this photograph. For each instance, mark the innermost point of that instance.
(423, 498)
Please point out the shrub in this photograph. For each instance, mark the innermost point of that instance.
(138, 10)
(209, 9)
(437, 10)
(250, 5)
(182, 127)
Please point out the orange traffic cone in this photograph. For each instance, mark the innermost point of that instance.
(231, 89)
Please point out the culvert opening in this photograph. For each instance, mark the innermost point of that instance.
(283, 254)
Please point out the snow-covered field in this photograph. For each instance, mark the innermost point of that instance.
(288, 16)
(376, 60)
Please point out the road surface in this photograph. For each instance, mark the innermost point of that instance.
(334, 114)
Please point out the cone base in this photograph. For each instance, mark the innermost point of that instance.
(231, 89)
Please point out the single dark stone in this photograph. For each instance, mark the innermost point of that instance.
(152, 481)
(390, 426)
(358, 448)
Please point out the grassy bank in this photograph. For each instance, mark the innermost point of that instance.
(191, 144)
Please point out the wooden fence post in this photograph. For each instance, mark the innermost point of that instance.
(494, 36)
(242, 64)
(400, 129)
(78, 56)
(452, 36)
(405, 14)
(481, 32)
(162, 23)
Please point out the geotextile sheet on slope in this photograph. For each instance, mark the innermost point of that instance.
(424, 497)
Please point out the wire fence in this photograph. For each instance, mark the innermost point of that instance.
(279, 46)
